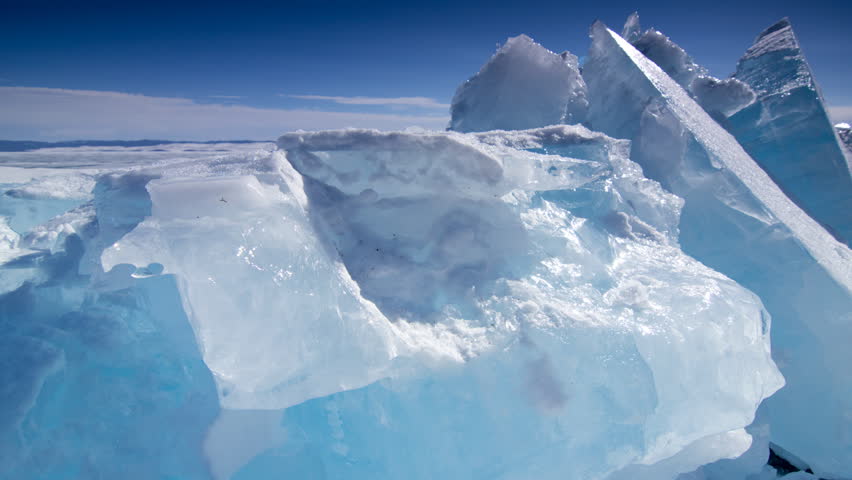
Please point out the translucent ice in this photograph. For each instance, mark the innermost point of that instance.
(518, 299)
(568, 305)
(97, 381)
(523, 85)
(735, 219)
(514, 303)
(32, 203)
(272, 287)
(788, 132)
(720, 98)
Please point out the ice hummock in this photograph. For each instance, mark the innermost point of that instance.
(546, 311)
(363, 304)
(523, 85)
(496, 293)
(738, 221)
(789, 133)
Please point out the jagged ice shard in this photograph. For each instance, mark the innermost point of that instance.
(720, 98)
(788, 131)
(524, 85)
(736, 220)
(535, 300)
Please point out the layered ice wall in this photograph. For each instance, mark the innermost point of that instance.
(736, 220)
(523, 85)
(789, 133)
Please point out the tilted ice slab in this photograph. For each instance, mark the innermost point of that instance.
(259, 290)
(738, 221)
(789, 133)
(517, 299)
(720, 98)
(524, 85)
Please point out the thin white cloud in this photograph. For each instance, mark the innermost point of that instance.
(424, 102)
(227, 97)
(61, 114)
(841, 113)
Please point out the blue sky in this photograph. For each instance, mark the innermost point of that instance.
(270, 67)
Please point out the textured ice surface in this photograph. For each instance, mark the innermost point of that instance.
(574, 323)
(523, 85)
(97, 381)
(788, 132)
(736, 220)
(101, 375)
(720, 98)
(512, 304)
(504, 304)
(844, 132)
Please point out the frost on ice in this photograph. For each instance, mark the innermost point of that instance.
(515, 298)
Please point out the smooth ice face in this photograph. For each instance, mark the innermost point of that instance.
(103, 376)
(523, 85)
(738, 221)
(261, 293)
(788, 132)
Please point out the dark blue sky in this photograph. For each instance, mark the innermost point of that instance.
(262, 52)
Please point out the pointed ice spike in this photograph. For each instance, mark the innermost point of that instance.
(524, 85)
(632, 28)
(736, 220)
(788, 132)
